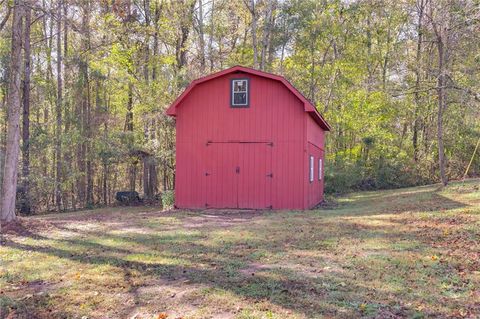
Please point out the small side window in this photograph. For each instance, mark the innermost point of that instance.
(311, 169)
(239, 94)
(320, 169)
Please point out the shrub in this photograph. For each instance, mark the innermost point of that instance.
(343, 175)
(168, 198)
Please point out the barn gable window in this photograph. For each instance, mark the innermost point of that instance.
(311, 169)
(320, 169)
(239, 93)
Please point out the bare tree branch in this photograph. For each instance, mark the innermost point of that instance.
(5, 19)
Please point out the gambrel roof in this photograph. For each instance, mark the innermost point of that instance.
(308, 106)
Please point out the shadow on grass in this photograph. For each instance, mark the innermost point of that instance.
(195, 250)
(417, 200)
(332, 294)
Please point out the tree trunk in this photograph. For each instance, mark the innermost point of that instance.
(146, 181)
(25, 205)
(129, 115)
(132, 164)
(68, 154)
(185, 24)
(88, 148)
(441, 92)
(83, 187)
(146, 66)
(13, 129)
(155, 40)
(201, 36)
(417, 80)
(210, 40)
(104, 183)
(386, 58)
(313, 78)
(58, 111)
(253, 12)
(266, 33)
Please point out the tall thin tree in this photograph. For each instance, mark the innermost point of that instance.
(58, 111)
(13, 108)
(25, 205)
(251, 5)
(201, 36)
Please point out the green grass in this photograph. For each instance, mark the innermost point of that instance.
(411, 252)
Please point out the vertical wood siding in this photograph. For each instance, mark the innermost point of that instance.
(315, 145)
(214, 139)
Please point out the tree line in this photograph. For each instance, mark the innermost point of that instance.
(84, 85)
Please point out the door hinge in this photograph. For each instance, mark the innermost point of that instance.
(270, 207)
(270, 175)
(207, 173)
(270, 144)
(237, 170)
(209, 142)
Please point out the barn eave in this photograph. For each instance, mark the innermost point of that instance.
(308, 106)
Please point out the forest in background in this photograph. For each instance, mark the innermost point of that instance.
(89, 81)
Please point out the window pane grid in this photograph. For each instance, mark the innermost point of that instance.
(239, 92)
(240, 86)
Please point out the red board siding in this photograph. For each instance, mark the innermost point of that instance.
(220, 176)
(315, 145)
(254, 176)
(267, 137)
(315, 134)
(315, 188)
(238, 175)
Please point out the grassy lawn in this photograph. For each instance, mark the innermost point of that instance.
(411, 252)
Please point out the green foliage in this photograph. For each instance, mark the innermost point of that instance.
(168, 199)
(343, 175)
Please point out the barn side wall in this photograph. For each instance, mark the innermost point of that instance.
(315, 143)
(275, 115)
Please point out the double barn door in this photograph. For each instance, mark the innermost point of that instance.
(239, 175)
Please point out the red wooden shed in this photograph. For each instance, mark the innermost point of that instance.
(247, 139)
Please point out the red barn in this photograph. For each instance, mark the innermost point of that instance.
(247, 139)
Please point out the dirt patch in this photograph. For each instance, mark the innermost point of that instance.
(307, 271)
(28, 289)
(223, 315)
(174, 289)
(26, 227)
(255, 268)
(327, 204)
(162, 296)
(222, 218)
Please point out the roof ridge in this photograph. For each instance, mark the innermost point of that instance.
(308, 105)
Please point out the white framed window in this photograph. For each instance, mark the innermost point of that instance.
(239, 96)
(320, 169)
(311, 168)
